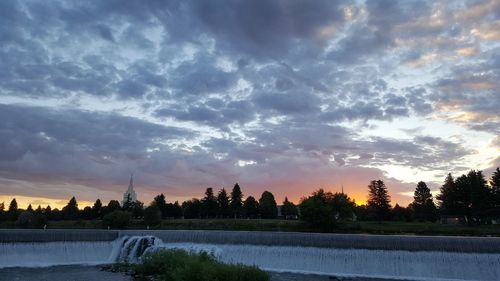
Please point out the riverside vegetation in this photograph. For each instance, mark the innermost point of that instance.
(179, 265)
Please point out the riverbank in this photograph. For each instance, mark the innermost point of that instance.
(360, 227)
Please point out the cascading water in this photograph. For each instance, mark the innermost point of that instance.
(396, 257)
(131, 249)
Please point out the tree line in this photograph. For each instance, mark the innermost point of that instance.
(469, 198)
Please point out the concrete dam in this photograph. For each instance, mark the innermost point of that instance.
(383, 256)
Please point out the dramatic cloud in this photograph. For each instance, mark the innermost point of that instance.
(288, 96)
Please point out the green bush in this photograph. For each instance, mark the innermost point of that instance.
(179, 265)
(116, 219)
(152, 216)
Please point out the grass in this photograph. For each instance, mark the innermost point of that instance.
(390, 227)
(179, 265)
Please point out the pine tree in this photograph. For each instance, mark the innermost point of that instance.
(13, 205)
(70, 211)
(223, 203)
(30, 208)
(446, 197)
(423, 206)
(209, 203)
(495, 190)
(379, 200)
(236, 201)
(97, 209)
(13, 211)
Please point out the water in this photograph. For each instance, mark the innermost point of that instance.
(339, 261)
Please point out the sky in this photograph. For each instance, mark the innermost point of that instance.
(285, 96)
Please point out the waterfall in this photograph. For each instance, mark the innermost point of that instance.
(54, 253)
(131, 249)
(393, 257)
(424, 265)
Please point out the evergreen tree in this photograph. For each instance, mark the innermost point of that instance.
(251, 208)
(447, 197)
(267, 206)
(495, 190)
(3, 215)
(379, 200)
(13, 211)
(423, 206)
(480, 197)
(161, 203)
(97, 209)
(48, 212)
(13, 206)
(30, 208)
(288, 209)
(223, 203)
(38, 210)
(70, 211)
(236, 201)
(209, 203)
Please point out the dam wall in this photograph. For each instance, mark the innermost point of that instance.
(319, 240)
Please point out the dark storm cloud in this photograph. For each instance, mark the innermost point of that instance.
(75, 142)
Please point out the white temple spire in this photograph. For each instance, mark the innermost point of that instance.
(130, 193)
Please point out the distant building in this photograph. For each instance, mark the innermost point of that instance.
(130, 191)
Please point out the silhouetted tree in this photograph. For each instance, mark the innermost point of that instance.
(97, 209)
(48, 212)
(209, 203)
(267, 206)
(379, 200)
(3, 215)
(495, 191)
(288, 209)
(402, 214)
(30, 208)
(317, 210)
(112, 206)
(251, 208)
(480, 197)
(192, 209)
(223, 203)
(70, 211)
(152, 215)
(13, 211)
(468, 196)
(128, 203)
(161, 203)
(323, 210)
(236, 201)
(86, 213)
(174, 210)
(137, 209)
(448, 201)
(423, 206)
(116, 219)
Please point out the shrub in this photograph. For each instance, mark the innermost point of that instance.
(116, 219)
(180, 265)
(152, 216)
